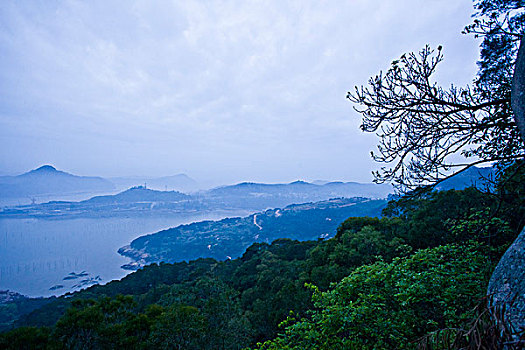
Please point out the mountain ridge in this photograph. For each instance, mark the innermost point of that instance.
(47, 180)
(241, 197)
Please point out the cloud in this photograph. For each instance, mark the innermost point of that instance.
(254, 88)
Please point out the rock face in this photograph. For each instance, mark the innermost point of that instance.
(518, 89)
(507, 284)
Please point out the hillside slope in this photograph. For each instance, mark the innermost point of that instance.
(48, 180)
(228, 238)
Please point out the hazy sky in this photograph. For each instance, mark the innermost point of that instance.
(223, 90)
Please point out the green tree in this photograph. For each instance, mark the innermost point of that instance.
(26, 338)
(391, 305)
(218, 304)
(179, 327)
(106, 323)
(81, 326)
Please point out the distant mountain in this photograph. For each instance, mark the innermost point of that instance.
(47, 180)
(138, 194)
(132, 202)
(228, 238)
(247, 197)
(179, 182)
(260, 196)
(473, 176)
(320, 182)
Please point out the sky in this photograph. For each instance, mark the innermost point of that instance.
(223, 91)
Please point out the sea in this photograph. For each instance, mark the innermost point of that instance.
(43, 257)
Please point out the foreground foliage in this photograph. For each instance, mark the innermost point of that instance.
(390, 305)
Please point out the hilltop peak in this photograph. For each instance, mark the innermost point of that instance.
(46, 168)
(47, 180)
(299, 182)
(139, 188)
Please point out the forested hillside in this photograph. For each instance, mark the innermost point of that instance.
(421, 268)
(230, 237)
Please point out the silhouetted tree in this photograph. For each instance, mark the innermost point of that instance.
(420, 124)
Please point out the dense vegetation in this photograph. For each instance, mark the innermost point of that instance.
(379, 283)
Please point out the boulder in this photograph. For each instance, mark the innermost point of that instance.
(507, 284)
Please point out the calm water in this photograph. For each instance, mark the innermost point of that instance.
(36, 255)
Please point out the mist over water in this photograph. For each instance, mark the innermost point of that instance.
(36, 254)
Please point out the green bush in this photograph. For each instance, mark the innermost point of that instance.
(391, 305)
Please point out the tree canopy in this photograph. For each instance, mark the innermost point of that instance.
(420, 124)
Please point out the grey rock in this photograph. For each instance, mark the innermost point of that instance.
(518, 90)
(507, 284)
